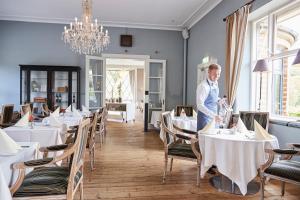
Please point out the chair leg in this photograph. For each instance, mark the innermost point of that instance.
(171, 165)
(282, 188)
(262, 186)
(198, 173)
(81, 191)
(165, 168)
(91, 159)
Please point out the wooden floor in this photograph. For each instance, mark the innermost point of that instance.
(130, 166)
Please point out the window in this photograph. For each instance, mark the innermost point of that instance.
(276, 37)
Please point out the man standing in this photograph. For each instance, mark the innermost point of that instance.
(208, 97)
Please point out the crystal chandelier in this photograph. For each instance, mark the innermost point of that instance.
(86, 37)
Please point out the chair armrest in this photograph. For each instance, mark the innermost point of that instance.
(294, 145)
(185, 136)
(55, 148)
(33, 163)
(286, 152)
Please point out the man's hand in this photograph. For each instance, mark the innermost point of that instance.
(222, 101)
(218, 119)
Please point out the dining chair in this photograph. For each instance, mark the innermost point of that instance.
(45, 110)
(49, 181)
(187, 109)
(284, 170)
(91, 140)
(174, 148)
(7, 115)
(25, 109)
(248, 118)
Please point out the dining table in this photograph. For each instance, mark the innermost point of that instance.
(43, 134)
(237, 155)
(8, 175)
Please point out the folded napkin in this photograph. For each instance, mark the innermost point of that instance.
(53, 121)
(240, 127)
(209, 128)
(194, 114)
(7, 145)
(260, 132)
(69, 109)
(172, 114)
(23, 121)
(56, 112)
(76, 113)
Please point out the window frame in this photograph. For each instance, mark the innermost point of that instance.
(271, 16)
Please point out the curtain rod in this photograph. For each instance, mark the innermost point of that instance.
(250, 2)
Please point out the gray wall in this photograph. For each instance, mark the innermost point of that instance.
(207, 38)
(40, 43)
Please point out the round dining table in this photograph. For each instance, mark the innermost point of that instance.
(238, 156)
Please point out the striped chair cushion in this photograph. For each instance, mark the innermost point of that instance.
(46, 181)
(183, 150)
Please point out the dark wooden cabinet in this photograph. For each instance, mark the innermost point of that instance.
(54, 85)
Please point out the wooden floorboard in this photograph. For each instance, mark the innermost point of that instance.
(130, 164)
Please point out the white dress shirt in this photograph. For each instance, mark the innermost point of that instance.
(202, 94)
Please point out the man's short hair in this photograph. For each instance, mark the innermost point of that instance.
(214, 66)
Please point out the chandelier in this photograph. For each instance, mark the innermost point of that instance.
(86, 37)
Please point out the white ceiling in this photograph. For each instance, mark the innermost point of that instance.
(154, 14)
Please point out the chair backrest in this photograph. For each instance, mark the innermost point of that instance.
(167, 125)
(79, 152)
(46, 111)
(25, 109)
(7, 113)
(93, 130)
(187, 109)
(248, 118)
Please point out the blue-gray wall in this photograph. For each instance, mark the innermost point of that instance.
(40, 43)
(207, 38)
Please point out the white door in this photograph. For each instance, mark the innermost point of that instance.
(155, 84)
(95, 82)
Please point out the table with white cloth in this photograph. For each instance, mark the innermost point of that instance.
(155, 118)
(70, 120)
(8, 176)
(185, 123)
(236, 155)
(44, 135)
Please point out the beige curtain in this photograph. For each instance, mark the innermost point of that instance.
(236, 25)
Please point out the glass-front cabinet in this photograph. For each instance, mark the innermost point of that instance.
(53, 85)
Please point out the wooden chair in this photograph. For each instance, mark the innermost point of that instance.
(45, 110)
(25, 109)
(188, 110)
(54, 182)
(248, 118)
(174, 148)
(92, 141)
(285, 170)
(7, 115)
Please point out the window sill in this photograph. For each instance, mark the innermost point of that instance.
(285, 122)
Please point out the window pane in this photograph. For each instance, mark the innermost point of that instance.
(286, 87)
(287, 31)
(262, 39)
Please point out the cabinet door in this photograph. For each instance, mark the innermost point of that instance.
(75, 95)
(95, 82)
(60, 89)
(155, 86)
(38, 89)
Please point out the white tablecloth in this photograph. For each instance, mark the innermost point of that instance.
(7, 175)
(44, 135)
(70, 120)
(188, 123)
(155, 117)
(236, 156)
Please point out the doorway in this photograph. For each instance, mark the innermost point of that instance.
(125, 85)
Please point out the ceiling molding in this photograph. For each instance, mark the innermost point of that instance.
(203, 10)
